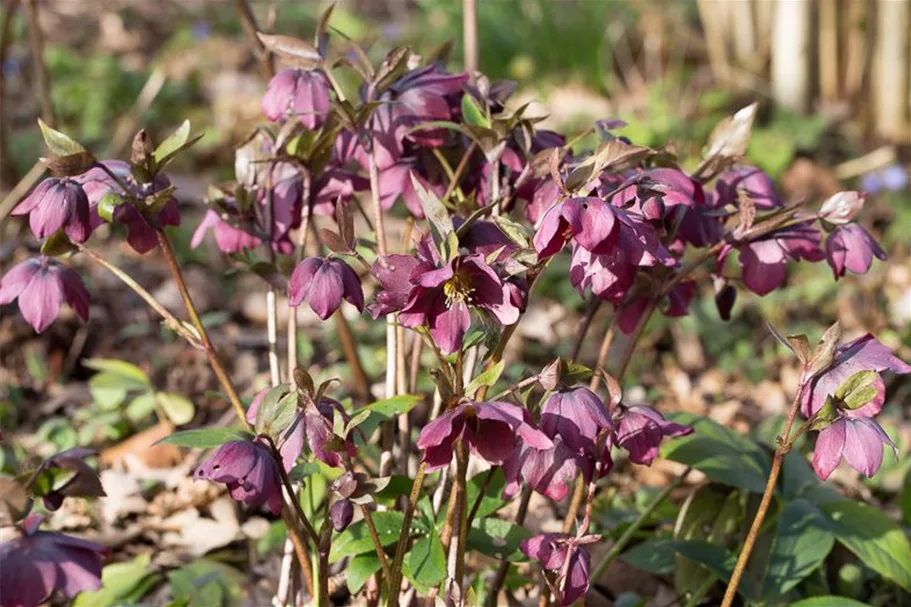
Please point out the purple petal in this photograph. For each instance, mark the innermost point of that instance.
(40, 301)
(354, 294)
(73, 289)
(764, 266)
(864, 440)
(448, 325)
(575, 586)
(829, 446)
(17, 279)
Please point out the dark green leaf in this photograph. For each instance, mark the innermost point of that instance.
(655, 555)
(360, 568)
(721, 453)
(492, 500)
(425, 565)
(497, 538)
(207, 583)
(486, 378)
(876, 540)
(387, 409)
(828, 601)
(121, 582)
(802, 542)
(356, 539)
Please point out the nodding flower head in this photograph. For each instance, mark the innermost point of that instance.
(249, 470)
(57, 204)
(323, 283)
(300, 93)
(41, 284)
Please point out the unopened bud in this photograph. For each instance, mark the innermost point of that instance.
(842, 207)
(341, 514)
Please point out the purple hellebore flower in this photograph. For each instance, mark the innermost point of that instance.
(394, 275)
(550, 472)
(323, 283)
(492, 430)
(544, 196)
(485, 238)
(577, 416)
(334, 185)
(764, 263)
(678, 305)
(565, 556)
(302, 93)
(249, 471)
(588, 221)
(752, 182)
(423, 95)
(37, 563)
(441, 298)
(228, 238)
(318, 426)
(141, 234)
(857, 438)
(612, 273)
(57, 204)
(395, 181)
(293, 444)
(641, 430)
(865, 353)
(851, 247)
(41, 284)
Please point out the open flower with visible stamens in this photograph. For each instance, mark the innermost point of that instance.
(491, 430)
(443, 297)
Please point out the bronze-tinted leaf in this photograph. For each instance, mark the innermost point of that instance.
(290, 47)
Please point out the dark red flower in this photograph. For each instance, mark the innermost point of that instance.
(57, 204)
(491, 430)
(850, 247)
(300, 93)
(38, 563)
(567, 557)
(249, 470)
(640, 431)
(323, 283)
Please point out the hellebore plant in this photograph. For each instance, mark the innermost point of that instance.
(491, 201)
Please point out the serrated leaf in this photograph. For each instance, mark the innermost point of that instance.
(721, 453)
(801, 544)
(876, 540)
(486, 378)
(425, 565)
(57, 142)
(178, 408)
(203, 438)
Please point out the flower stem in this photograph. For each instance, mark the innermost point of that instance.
(375, 537)
(170, 320)
(217, 367)
(462, 505)
(325, 544)
(785, 440)
(401, 545)
(634, 527)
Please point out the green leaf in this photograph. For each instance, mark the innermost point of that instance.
(173, 143)
(828, 601)
(486, 378)
(110, 390)
(58, 143)
(492, 500)
(360, 568)
(472, 113)
(119, 367)
(178, 408)
(802, 542)
(108, 204)
(721, 453)
(876, 540)
(356, 539)
(655, 555)
(141, 407)
(203, 438)
(425, 565)
(121, 582)
(273, 409)
(386, 409)
(207, 583)
(713, 557)
(497, 538)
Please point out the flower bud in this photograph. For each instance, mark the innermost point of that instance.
(842, 207)
(341, 514)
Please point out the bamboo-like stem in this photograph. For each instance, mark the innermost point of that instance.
(325, 544)
(470, 36)
(170, 320)
(42, 78)
(248, 21)
(785, 440)
(375, 537)
(461, 504)
(640, 520)
(214, 361)
(604, 351)
(272, 336)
